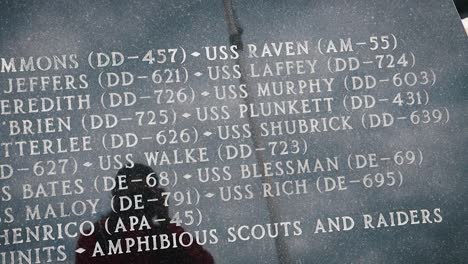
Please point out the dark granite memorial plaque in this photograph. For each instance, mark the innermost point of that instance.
(233, 132)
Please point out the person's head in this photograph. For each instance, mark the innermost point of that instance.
(140, 180)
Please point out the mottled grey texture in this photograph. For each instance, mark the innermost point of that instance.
(431, 30)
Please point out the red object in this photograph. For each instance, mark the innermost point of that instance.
(180, 255)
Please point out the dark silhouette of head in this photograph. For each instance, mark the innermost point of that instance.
(138, 183)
